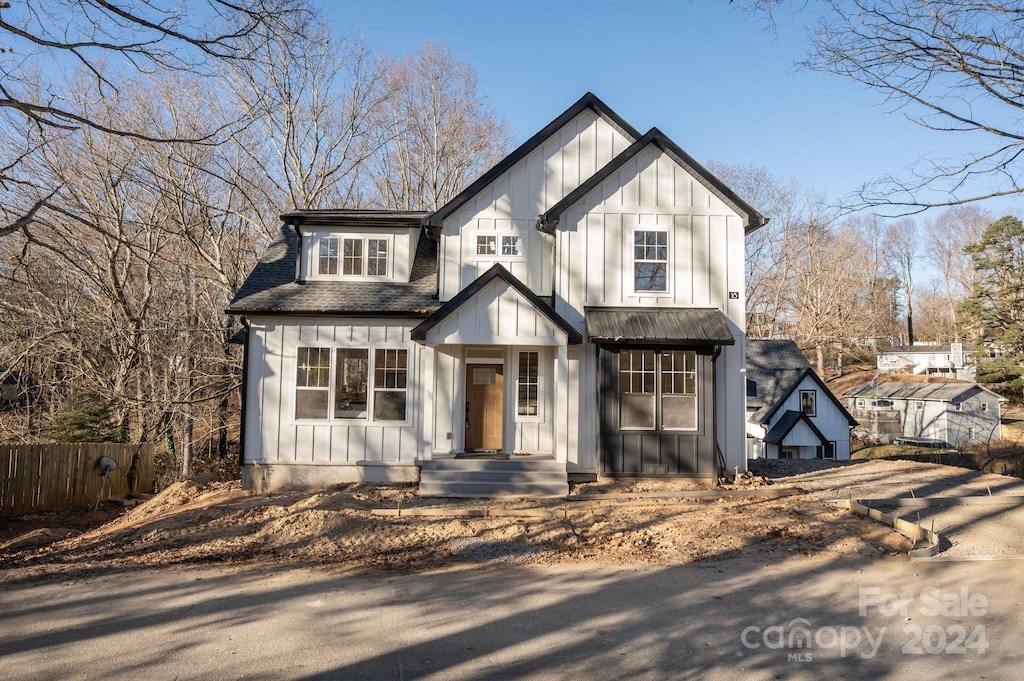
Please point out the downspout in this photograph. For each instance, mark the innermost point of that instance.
(299, 260)
(719, 457)
(245, 391)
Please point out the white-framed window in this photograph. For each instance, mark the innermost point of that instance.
(352, 257)
(528, 389)
(487, 244)
(657, 390)
(377, 257)
(313, 383)
(650, 260)
(971, 433)
(511, 246)
(334, 383)
(390, 385)
(808, 402)
(327, 262)
(984, 406)
(958, 406)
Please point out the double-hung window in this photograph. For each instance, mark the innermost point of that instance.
(528, 392)
(352, 257)
(312, 383)
(335, 384)
(390, 385)
(650, 260)
(658, 390)
(327, 263)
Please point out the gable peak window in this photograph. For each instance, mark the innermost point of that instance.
(487, 244)
(650, 260)
(808, 400)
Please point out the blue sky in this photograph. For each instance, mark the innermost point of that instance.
(704, 72)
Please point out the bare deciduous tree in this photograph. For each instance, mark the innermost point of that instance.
(436, 132)
(107, 42)
(901, 251)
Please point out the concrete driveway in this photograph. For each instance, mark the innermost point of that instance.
(728, 618)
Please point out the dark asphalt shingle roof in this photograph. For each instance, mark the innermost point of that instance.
(271, 287)
(774, 365)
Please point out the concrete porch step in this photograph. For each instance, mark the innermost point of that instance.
(493, 478)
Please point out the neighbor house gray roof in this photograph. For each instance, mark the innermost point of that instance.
(923, 349)
(780, 430)
(774, 366)
(271, 287)
(658, 325)
(905, 390)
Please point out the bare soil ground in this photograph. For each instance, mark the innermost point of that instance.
(218, 522)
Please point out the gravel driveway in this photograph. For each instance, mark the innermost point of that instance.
(977, 514)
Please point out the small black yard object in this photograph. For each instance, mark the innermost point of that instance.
(106, 466)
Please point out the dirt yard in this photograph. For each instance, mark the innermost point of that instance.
(217, 522)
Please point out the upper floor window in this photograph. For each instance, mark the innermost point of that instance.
(353, 257)
(328, 260)
(506, 245)
(487, 245)
(650, 260)
(511, 246)
(808, 402)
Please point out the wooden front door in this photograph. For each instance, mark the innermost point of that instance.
(484, 406)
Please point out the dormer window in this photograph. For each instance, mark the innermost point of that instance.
(353, 260)
(328, 261)
(353, 256)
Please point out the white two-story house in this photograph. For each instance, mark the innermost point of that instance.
(576, 312)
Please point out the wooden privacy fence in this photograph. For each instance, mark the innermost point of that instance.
(50, 477)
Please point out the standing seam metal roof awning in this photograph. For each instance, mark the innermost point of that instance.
(658, 326)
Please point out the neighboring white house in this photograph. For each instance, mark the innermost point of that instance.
(604, 337)
(949, 361)
(952, 414)
(791, 413)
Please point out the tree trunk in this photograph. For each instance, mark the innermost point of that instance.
(819, 350)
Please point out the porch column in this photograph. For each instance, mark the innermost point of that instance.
(562, 399)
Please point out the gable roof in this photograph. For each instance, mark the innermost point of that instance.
(785, 424)
(271, 287)
(778, 367)
(587, 101)
(928, 392)
(497, 271)
(752, 219)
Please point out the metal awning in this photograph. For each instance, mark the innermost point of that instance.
(658, 326)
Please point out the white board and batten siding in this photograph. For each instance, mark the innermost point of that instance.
(832, 423)
(274, 436)
(510, 205)
(706, 263)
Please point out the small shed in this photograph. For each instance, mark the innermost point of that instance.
(953, 414)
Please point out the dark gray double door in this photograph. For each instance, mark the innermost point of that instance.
(656, 411)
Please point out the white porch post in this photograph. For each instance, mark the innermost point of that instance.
(562, 400)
